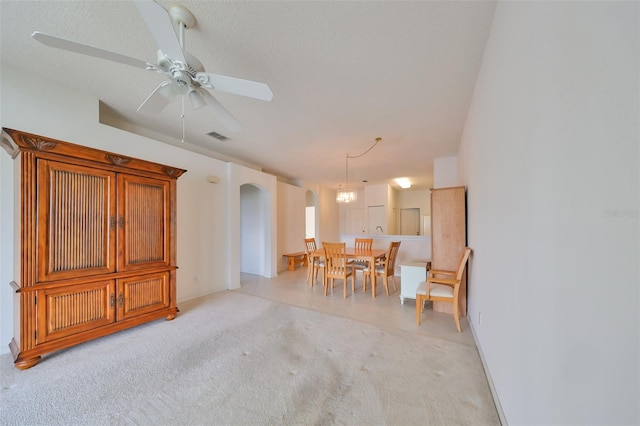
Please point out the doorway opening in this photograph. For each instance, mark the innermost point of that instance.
(310, 216)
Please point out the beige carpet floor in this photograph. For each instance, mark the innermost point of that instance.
(236, 359)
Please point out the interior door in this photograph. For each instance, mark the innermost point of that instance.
(410, 221)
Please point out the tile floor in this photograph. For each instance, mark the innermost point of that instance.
(292, 287)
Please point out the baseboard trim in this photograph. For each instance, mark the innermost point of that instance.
(494, 394)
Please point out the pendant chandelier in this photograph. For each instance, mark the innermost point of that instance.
(346, 196)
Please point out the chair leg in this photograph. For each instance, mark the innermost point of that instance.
(456, 316)
(344, 288)
(385, 281)
(418, 306)
(325, 282)
(393, 279)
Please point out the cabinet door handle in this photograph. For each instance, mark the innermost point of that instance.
(121, 222)
(120, 299)
(112, 222)
(112, 300)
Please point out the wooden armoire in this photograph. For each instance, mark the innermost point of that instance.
(96, 248)
(449, 238)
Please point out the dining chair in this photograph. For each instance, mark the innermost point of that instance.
(442, 286)
(385, 268)
(336, 266)
(314, 264)
(359, 264)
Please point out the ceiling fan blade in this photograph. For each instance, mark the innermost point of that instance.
(221, 113)
(159, 23)
(72, 46)
(237, 86)
(158, 99)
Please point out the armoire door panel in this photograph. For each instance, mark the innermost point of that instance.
(142, 294)
(64, 311)
(143, 222)
(76, 221)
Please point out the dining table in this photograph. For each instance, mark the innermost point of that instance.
(369, 255)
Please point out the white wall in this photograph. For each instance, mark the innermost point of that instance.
(550, 157)
(445, 172)
(329, 216)
(291, 221)
(207, 214)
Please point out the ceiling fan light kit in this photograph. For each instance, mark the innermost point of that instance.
(186, 75)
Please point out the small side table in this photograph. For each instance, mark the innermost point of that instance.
(412, 273)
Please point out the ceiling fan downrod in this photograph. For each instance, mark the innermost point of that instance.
(181, 78)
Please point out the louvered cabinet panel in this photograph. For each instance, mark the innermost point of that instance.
(142, 294)
(144, 215)
(64, 311)
(76, 221)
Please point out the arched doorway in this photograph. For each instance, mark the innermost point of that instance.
(255, 230)
(311, 214)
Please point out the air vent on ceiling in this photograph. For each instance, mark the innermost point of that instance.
(218, 136)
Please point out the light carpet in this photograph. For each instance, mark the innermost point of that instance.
(236, 359)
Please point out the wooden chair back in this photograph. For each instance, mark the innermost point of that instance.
(462, 264)
(363, 243)
(336, 266)
(335, 255)
(385, 268)
(389, 261)
(392, 254)
(314, 264)
(310, 244)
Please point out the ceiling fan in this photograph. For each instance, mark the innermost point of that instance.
(186, 75)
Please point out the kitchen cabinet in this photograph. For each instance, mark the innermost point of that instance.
(96, 244)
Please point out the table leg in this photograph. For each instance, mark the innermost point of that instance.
(373, 277)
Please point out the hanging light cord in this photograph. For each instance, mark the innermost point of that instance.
(346, 181)
(370, 148)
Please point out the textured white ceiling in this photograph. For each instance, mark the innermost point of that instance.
(342, 74)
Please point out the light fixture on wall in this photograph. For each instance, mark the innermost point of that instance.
(345, 196)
